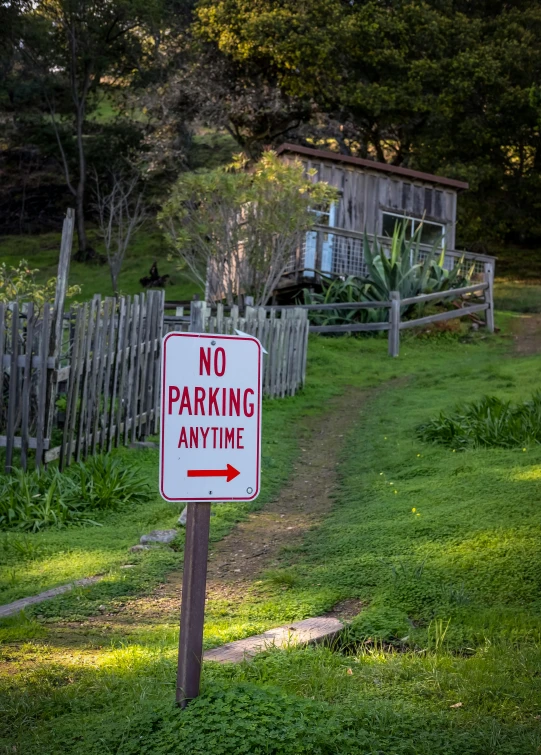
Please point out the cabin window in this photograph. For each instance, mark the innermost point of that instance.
(431, 233)
(327, 218)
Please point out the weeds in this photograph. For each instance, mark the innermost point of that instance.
(33, 501)
(281, 577)
(490, 422)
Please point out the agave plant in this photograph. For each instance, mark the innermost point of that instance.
(403, 268)
(441, 279)
(341, 291)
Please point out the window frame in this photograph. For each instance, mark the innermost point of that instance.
(414, 220)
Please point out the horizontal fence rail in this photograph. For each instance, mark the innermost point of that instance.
(394, 324)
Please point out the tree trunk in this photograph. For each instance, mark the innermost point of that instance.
(85, 253)
(114, 278)
(81, 255)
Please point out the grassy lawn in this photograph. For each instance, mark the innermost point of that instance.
(442, 548)
(517, 296)
(41, 252)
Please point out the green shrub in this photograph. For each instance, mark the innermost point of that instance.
(35, 500)
(245, 718)
(19, 284)
(490, 422)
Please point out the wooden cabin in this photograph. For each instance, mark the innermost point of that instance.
(373, 197)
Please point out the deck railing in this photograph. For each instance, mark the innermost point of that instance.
(336, 251)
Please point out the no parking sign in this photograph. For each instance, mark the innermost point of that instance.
(210, 450)
(210, 446)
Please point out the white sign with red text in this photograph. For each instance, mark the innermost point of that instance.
(210, 446)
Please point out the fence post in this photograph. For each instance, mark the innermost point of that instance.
(197, 316)
(56, 324)
(489, 296)
(394, 324)
(62, 282)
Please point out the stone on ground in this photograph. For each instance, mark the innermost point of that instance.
(158, 536)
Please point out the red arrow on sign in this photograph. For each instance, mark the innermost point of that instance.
(229, 473)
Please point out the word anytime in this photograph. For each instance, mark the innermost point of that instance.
(215, 437)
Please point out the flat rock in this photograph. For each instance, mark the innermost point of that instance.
(138, 547)
(158, 536)
(307, 632)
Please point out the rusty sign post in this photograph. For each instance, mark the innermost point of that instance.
(210, 450)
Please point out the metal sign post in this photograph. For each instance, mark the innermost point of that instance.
(210, 450)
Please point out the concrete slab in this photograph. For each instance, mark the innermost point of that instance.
(19, 605)
(308, 631)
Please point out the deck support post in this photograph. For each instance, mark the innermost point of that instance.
(489, 296)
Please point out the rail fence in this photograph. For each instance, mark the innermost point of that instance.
(467, 301)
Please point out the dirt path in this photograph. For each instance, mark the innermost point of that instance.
(254, 545)
(527, 334)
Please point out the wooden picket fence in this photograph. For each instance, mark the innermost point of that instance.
(283, 333)
(30, 368)
(26, 367)
(78, 382)
(112, 395)
(98, 389)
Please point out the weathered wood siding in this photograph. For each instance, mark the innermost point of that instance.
(366, 194)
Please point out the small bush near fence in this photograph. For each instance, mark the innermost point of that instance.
(31, 501)
(490, 422)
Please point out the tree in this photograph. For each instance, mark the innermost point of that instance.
(121, 212)
(75, 48)
(237, 230)
(444, 87)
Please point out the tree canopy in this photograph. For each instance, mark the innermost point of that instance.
(445, 86)
(449, 87)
